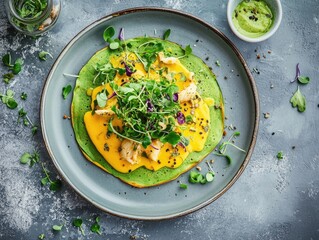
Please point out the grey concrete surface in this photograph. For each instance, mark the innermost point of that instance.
(273, 199)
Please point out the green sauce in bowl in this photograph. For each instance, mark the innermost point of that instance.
(253, 18)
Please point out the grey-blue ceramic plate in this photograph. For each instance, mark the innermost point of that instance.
(167, 200)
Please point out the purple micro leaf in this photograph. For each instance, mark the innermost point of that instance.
(175, 97)
(180, 118)
(150, 107)
(121, 34)
(128, 70)
(297, 73)
(112, 95)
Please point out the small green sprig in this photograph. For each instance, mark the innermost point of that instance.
(57, 227)
(78, 223)
(43, 55)
(66, 91)
(54, 185)
(30, 158)
(8, 99)
(96, 226)
(166, 34)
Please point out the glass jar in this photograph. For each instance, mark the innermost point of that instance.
(33, 17)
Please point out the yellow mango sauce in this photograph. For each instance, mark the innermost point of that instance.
(169, 156)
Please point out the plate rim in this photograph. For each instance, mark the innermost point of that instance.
(203, 23)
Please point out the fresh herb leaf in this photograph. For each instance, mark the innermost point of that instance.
(217, 63)
(188, 50)
(43, 55)
(66, 91)
(57, 227)
(41, 236)
(34, 129)
(6, 59)
(108, 33)
(166, 34)
(210, 176)
(114, 45)
(96, 228)
(280, 155)
(23, 96)
(55, 185)
(78, 223)
(189, 119)
(8, 99)
(17, 67)
(298, 100)
(44, 181)
(7, 77)
(303, 80)
(101, 98)
(183, 186)
(172, 138)
(25, 158)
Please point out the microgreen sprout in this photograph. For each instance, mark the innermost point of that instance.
(78, 223)
(223, 147)
(23, 96)
(217, 63)
(166, 34)
(280, 155)
(54, 185)
(43, 55)
(66, 91)
(298, 100)
(41, 236)
(183, 186)
(8, 99)
(96, 226)
(187, 51)
(31, 159)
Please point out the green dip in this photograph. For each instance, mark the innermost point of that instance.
(253, 18)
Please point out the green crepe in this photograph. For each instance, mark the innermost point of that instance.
(142, 177)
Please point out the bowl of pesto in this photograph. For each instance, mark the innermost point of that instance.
(254, 20)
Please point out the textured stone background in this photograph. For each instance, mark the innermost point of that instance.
(271, 200)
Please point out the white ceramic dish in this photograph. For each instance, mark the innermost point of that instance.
(276, 8)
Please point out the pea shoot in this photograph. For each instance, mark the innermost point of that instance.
(54, 185)
(24, 96)
(166, 34)
(41, 236)
(57, 227)
(8, 99)
(280, 155)
(78, 223)
(43, 55)
(95, 228)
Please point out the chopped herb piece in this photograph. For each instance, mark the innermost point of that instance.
(7, 77)
(6, 59)
(57, 227)
(183, 186)
(17, 67)
(55, 185)
(172, 138)
(41, 236)
(34, 129)
(166, 34)
(43, 55)
(217, 63)
(25, 158)
(280, 155)
(188, 50)
(30, 159)
(298, 100)
(114, 45)
(23, 96)
(189, 119)
(101, 98)
(66, 91)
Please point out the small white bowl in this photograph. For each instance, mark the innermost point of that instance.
(276, 9)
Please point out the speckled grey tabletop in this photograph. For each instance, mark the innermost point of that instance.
(273, 199)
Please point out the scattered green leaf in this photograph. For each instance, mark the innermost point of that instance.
(17, 67)
(7, 77)
(8, 99)
(23, 96)
(96, 226)
(6, 59)
(114, 45)
(183, 186)
(41, 236)
(298, 100)
(303, 80)
(54, 185)
(43, 55)
(217, 63)
(188, 50)
(66, 91)
(78, 223)
(57, 227)
(25, 158)
(166, 34)
(280, 155)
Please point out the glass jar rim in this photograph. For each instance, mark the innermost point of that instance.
(30, 20)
